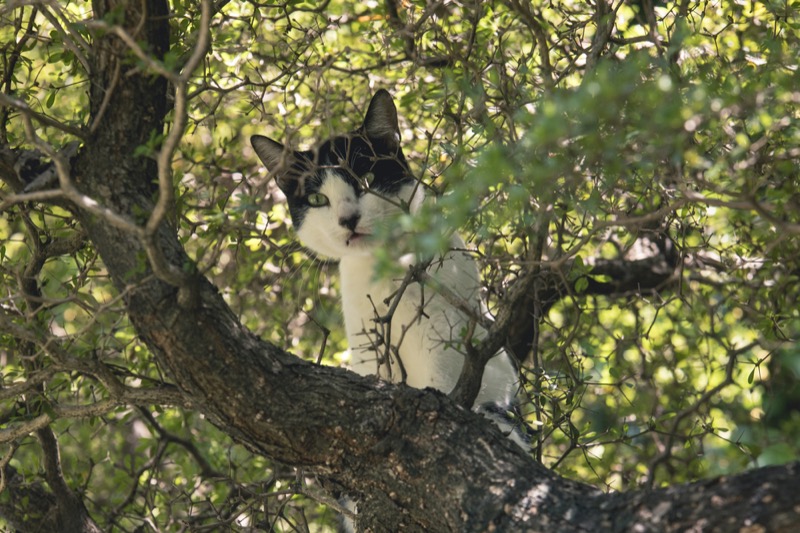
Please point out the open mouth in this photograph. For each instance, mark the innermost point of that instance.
(356, 237)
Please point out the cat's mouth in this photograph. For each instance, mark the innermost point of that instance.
(356, 237)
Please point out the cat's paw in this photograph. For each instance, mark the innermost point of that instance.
(509, 419)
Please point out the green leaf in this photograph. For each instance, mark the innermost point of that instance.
(581, 284)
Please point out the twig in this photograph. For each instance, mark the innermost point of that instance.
(10, 101)
(539, 34)
(68, 189)
(706, 396)
(131, 396)
(67, 38)
(73, 33)
(153, 64)
(164, 270)
(106, 97)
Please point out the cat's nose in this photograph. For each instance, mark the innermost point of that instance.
(349, 222)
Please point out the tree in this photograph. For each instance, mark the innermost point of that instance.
(626, 173)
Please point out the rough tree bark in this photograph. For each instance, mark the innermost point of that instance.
(419, 461)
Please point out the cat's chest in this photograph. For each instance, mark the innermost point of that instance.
(367, 298)
(409, 331)
(410, 308)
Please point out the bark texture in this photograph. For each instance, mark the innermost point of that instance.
(418, 461)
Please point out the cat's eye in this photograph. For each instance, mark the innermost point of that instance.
(317, 200)
(368, 178)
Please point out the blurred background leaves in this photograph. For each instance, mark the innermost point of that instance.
(644, 140)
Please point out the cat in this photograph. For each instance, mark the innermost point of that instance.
(339, 194)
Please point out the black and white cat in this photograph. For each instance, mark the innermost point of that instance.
(339, 194)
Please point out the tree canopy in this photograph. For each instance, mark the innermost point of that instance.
(625, 172)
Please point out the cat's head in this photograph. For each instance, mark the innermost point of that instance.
(343, 189)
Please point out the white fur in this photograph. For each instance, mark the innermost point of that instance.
(425, 329)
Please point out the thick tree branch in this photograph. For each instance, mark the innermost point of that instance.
(70, 513)
(606, 277)
(416, 459)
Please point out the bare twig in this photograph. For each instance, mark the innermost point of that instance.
(106, 98)
(529, 18)
(68, 38)
(68, 189)
(163, 269)
(16, 103)
(131, 396)
(704, 398)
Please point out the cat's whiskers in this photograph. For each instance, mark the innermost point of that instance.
(350, 189)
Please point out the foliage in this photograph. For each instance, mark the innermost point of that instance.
(564, 137)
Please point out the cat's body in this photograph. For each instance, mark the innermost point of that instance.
(425, 329)
(338, 195)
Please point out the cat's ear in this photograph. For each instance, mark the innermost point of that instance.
(381, 119)
(278, 159)
(273, 154)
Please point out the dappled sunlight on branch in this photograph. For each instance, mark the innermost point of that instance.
(624, 174)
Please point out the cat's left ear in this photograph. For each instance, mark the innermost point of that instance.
(381, 119)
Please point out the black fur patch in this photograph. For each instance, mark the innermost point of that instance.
(351, 157)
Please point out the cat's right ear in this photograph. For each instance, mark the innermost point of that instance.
(276, 157)
(273, 154)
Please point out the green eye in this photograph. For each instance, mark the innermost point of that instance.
(317, 200)
(369, 177)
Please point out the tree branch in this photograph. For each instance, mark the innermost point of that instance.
(70, 513)
(415, 458)
(43, 119)
(654, 273)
